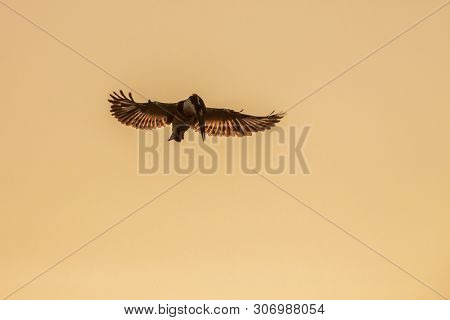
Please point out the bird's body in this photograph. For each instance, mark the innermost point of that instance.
(184, 119)
(186, 114)
(188, 108)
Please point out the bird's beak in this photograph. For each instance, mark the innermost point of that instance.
(201, 122)
(201, 118)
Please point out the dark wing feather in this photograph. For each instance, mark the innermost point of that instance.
(227, 122)
(150, 115)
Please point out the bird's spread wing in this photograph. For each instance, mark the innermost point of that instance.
(149, 115)
(226, 122)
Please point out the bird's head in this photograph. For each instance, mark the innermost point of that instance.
(200, 110)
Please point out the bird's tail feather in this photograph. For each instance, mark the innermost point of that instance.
(178, 133)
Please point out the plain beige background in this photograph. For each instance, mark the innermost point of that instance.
(378, 151)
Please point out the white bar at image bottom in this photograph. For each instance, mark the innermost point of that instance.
(224, 309)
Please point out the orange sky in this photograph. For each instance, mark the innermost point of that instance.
(378, 151)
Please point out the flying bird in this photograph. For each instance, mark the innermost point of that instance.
(186, 114)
